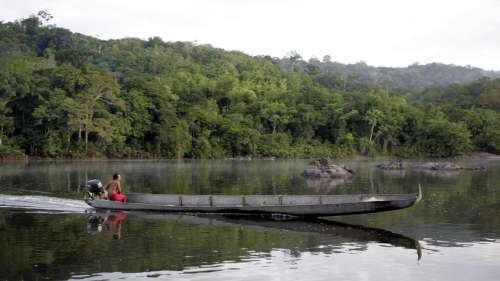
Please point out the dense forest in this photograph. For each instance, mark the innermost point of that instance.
(64, 94)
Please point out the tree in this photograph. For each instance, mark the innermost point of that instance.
(276, 114)
(6, 121)
(437, 137)
(374, 117)
(88, 109)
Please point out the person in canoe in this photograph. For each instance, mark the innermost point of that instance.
(114, 189)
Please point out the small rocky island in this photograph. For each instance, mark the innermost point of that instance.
(324, 168)
(446, 166)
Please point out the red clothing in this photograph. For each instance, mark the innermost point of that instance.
(117, 197)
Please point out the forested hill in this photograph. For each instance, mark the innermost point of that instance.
(64, 94)
(413, 78)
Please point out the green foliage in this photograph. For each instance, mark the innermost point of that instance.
(7, 150)
(440, 138)
(64, 94)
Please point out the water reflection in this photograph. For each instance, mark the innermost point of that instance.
(109, 222)
(441, 174)
(324, 185)
(333, 232)
(393, 173)
(58, 246)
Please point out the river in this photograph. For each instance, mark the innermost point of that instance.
(48, 232)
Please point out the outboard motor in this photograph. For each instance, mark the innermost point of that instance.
(94, 189)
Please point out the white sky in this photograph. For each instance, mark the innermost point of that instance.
(381, 32)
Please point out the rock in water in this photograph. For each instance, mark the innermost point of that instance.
(440, 166)
(323, 168)
(392, 165)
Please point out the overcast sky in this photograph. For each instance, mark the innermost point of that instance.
(381, 33)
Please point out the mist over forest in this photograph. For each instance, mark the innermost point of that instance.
(65, 94)
(413, 78)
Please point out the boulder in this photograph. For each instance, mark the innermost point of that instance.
(323, 168)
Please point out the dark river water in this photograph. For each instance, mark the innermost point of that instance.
(48, 233)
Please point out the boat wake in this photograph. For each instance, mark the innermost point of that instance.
(43, 203)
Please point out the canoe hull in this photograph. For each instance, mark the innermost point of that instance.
(305, 206)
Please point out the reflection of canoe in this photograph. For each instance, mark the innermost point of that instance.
(296, 205)
(328, 227)
(340, 232)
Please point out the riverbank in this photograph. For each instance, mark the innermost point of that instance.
(477, 156)
(470, 156)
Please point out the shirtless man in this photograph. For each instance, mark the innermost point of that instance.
(114, 189)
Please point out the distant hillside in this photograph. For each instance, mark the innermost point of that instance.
(413, 78)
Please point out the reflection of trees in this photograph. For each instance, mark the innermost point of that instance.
(394, 173)
(184, 176)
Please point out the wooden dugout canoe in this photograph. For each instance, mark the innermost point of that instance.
(294, 205)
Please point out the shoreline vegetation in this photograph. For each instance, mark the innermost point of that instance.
(466, 157)
(66, 95)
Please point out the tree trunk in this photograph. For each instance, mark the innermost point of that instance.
(371, 133)
(69, 142)
(86, 139)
